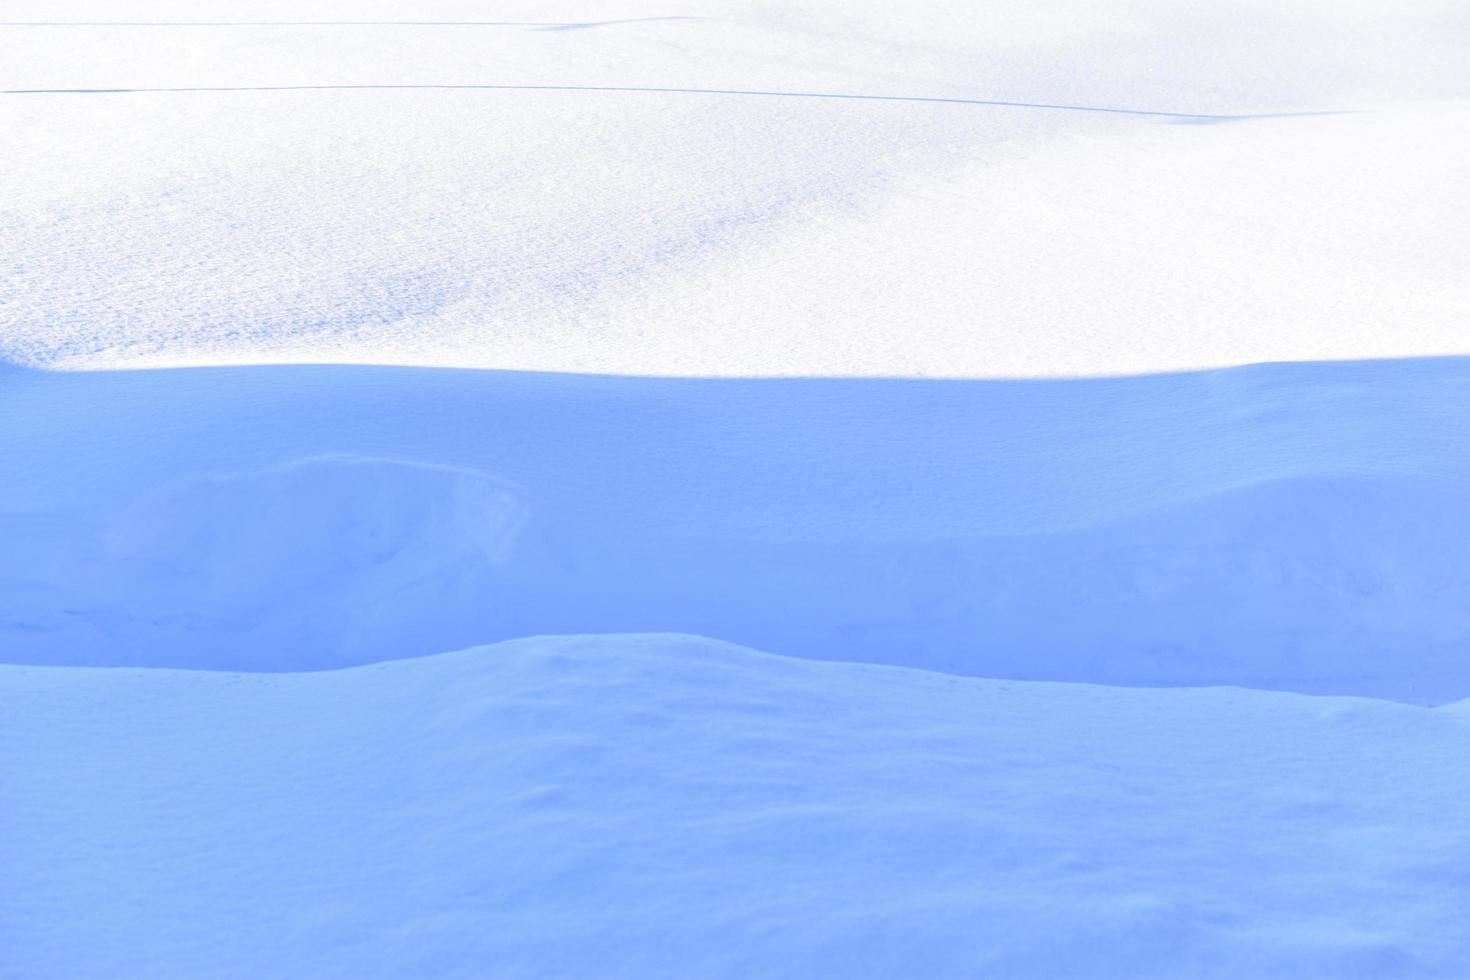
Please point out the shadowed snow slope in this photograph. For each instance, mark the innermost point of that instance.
(649, 807)
(1298, 527)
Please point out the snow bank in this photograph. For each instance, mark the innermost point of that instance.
(1295, 527)
(801, 189)
(707, 188)
(236, 202)
(672, 807)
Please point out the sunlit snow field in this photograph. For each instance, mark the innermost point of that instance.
(734, 489)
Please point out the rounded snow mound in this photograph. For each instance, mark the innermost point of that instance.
(1292, 527)
(315, 563)
(1320, 585)
(640, 806)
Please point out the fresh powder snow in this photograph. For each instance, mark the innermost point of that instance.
(734, 489)
(665, 806)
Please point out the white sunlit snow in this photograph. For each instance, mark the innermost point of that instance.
(749, 489)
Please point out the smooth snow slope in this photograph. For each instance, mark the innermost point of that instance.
(649, 807)
(309, 228)
(1299, 527)
(705, 187)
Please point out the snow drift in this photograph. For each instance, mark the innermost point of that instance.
(721, 231)
(1295, 527)
(671, 807)
(709, 188)
(808, 190)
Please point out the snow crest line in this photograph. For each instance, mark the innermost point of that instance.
(1198, 116)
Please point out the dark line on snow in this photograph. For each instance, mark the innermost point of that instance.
(544, 25)
(1196, 116)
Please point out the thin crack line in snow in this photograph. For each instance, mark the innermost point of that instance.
(682, 91)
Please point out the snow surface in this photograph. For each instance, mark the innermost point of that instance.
(665, 806)
(697, 188)
(1295, 527)
(336, 335)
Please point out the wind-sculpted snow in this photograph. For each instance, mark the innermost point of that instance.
(650, 807)
(1294, 527)
(319, 562)
(594, 339)
(940, 188)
